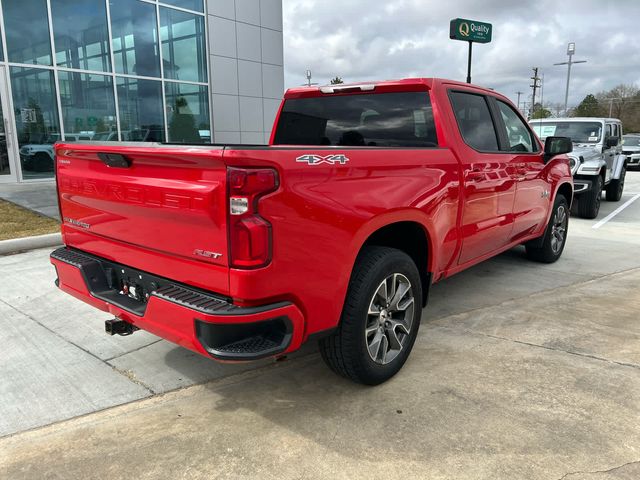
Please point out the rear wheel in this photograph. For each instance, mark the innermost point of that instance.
(615, 187)
(380, 318)
(555, 236)
(589, 204)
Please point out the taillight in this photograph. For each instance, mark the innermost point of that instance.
(249, 233)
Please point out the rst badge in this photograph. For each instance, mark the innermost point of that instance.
(319, 159)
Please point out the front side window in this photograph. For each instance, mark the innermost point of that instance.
(370, 119)
(474, 120)
(518, 134)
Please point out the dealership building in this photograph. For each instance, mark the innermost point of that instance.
(189, 71)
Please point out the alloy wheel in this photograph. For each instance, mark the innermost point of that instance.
(389, 318)
(559, 228)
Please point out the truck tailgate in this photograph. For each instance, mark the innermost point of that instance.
(162, 208)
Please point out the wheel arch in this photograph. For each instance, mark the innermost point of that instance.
(410, 237)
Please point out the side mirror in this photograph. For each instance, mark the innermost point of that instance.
(611, 142)
(556, 146)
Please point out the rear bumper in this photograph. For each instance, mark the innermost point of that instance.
(200, 321)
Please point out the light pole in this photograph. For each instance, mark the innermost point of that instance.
(571, 49)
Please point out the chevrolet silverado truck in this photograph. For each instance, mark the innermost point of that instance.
(597, 161)
(335, 231)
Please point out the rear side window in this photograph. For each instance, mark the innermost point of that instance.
(376, 120)
(474, 121)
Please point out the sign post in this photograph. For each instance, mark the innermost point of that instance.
(470, 31)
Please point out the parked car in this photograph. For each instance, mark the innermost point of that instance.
(366, 196)
(38, 157)
(597, 162)
(631, 149)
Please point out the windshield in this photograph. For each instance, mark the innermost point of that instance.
(578, 132)
(631, 141)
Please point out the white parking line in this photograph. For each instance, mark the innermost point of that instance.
(616, 211)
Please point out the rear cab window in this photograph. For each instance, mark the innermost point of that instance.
(403, 119)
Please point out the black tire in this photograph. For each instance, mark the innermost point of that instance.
(616, 187)
(589, 205)
(347, 351)
(42, 163)
(552, 246)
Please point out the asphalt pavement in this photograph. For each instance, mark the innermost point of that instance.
(520, 370)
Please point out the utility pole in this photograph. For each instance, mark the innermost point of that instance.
(536, 84)
(571, 49)
(519, 93)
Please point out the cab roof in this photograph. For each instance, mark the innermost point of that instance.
(384, 86)
(575, 119)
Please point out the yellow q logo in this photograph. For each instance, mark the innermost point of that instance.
(464, 29)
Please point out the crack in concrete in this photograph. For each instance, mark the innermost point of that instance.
(66, 340)
(567, 475)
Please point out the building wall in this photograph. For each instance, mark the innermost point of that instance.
(246, 65)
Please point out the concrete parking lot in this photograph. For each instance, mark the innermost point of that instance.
(520, 370)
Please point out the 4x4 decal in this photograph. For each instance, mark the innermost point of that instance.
(319, 159)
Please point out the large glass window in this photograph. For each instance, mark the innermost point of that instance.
(140, 105)
(87, 103)
(80, 34)
(195, 5)
(381, 119)
(518, 134)
(34, 103)
(474, 121)
(183, 49)
(187, 113)
(27, 31)
(134, 31)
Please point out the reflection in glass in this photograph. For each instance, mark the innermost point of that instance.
(27, 31)
(34, 103)
(183, 49)
(195, 5)
(141, 115)
(187, 113)
(134, 31)
(5, 168)
(80, 34)
(88, 108)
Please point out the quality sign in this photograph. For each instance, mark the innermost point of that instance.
(470, 30)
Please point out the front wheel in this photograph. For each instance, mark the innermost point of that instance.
(589, 203)
(615, 187)
(555, 236)
(380, 318)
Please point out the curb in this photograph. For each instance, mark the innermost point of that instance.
(16, 245)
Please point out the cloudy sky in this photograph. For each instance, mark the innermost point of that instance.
(368, 39)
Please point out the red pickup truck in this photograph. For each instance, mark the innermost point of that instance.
(366, 196)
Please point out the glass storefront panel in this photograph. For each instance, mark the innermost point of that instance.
(187, 113)
(34, 104)
(5, 167)
(27, 31)
(140, 105)
(134, 31)
(195, 5)
(88, 107)
(80, 34)
(183, 49)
